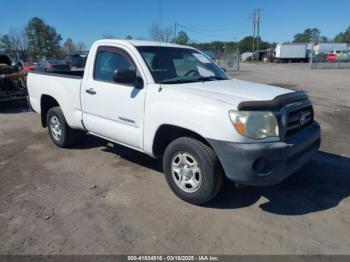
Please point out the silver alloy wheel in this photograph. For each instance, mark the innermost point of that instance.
(55, 127)
(186, 172)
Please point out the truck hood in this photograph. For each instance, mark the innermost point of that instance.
(232, 91)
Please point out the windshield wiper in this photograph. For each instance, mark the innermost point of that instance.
(191, 80)
(210, 78)
(177, 81)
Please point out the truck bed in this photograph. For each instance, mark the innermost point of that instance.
(70, 74)
(63, 87)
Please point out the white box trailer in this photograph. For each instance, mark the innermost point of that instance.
(247, 56)
(325, 48)
(291, 52)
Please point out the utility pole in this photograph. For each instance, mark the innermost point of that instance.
(258, 32)
(175, 30)
(237, 53)
(253, 25)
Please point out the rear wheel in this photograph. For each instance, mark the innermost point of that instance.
(61, 134)
(192, 170)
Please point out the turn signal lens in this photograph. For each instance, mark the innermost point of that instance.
(240, 128)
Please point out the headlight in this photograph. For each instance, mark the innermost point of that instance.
(255, 124)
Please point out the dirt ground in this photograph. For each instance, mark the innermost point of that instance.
(101, 198)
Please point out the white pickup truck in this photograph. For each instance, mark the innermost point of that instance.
(172, 102)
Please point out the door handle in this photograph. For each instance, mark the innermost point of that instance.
(90, 91)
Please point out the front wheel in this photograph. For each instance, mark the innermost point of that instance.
(192, 170)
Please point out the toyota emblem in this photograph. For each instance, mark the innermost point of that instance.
(302, 119)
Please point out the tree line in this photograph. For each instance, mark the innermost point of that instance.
(38, 40)
(218, 47)
(313, 35)
(309, 35)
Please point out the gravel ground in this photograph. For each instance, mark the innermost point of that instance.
(101, 198)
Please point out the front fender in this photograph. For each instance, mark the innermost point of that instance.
(207, 117)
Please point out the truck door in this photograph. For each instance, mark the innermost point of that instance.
(112, 110)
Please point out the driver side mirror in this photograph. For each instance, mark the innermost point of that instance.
(127, 76)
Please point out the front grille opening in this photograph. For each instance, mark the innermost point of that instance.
(299, 120)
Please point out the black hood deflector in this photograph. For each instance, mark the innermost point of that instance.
(275, 104)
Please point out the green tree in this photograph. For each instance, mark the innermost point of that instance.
(324, 39)
(310, 35)
(220, 47)
(246, 44)
(129, 37)
(343, 37)
(43, 40)
(181, 38)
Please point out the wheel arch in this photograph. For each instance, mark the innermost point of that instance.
(46, 103)
(167, 133)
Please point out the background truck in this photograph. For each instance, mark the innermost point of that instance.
(172, 102)
(325, 48)
(291, 52)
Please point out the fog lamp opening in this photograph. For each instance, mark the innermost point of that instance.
(262, 167)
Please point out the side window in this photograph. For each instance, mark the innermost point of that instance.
(107, 61)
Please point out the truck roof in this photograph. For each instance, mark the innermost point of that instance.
(140, 43)
(292, 43)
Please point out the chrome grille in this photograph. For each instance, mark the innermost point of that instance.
(299, 119)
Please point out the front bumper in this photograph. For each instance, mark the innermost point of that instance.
(263, 164)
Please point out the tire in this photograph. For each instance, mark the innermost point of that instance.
(62, 136)
(205, 170)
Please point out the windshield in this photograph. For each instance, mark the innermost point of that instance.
(172, 65)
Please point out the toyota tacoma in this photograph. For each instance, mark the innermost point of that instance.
(174, 103)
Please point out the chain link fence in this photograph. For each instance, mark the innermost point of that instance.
(229, 61)
(330, 61)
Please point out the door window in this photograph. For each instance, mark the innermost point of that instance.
(109, 60)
